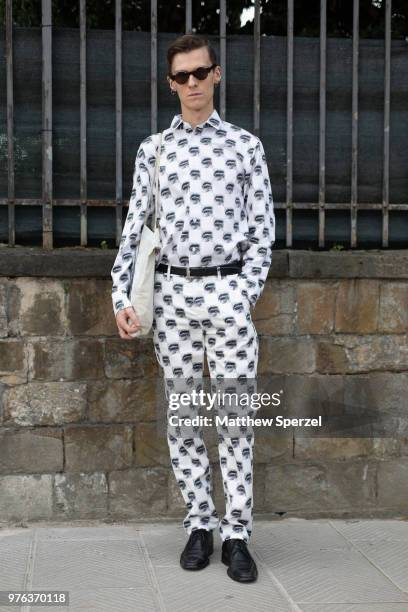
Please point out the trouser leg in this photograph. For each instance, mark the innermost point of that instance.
(232, 348)
(179, 346)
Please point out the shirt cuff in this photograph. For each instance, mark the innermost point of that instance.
(126, 303)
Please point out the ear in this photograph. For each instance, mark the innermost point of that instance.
(217, 72)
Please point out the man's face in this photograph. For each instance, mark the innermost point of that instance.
(205, 89)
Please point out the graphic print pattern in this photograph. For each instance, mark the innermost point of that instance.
(215, 206)
(212, 315)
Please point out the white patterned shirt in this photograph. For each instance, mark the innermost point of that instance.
(215, 205)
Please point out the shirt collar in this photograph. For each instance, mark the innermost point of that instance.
(214, 120)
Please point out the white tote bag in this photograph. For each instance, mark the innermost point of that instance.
(142, 284)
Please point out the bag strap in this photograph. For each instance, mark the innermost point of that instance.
(156, 187)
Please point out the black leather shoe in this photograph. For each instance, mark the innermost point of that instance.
(199, 547)
(236, 555)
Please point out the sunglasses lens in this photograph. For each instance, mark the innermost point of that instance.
(181, 77)
(201, 73)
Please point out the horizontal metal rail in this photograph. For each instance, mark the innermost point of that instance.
(281, 205)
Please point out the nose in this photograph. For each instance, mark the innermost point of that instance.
(192, 80)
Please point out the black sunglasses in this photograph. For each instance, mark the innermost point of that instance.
(200, 73)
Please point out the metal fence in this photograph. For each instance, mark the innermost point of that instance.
(288, 206)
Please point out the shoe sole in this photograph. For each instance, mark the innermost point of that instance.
(195, 567)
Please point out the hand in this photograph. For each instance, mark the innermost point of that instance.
(122, 322)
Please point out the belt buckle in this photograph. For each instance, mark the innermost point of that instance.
(168, 271)
(188, 272)
(219, 272)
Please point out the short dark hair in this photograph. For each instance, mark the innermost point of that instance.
(186, 43)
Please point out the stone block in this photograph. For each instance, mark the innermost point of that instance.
(286, 355)
(272, 449)
(80, 496)
(352, 264)
(322, 449)
(131, 401)
(392, 479)
(274, 312)
(315, 307)
(310, 397)
(138, 492)
(320, 487)
(30, 451)
(151, 448)
(130, 359)
(393, 316)
(13, 362)
(382, 400)
(24, 498)
(37, 307)
(331, 357)
(89, 308)
(51, 403)
(281, 325)
(269, 303)
(94, 448)
(66, 360)
(375, 352)
(357, 306)
(384, 448)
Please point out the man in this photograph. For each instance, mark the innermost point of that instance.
(217, 228)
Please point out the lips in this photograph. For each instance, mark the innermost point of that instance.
(192, 95)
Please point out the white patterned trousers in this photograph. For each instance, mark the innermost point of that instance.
(192, 316)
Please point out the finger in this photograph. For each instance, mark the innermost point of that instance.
(133, 317)
(124, 335)
(134, 323)
(131, 328)
(127, 328)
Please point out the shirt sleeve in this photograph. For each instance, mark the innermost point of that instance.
(258, 202)
(121, 272)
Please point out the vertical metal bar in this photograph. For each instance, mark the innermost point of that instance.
(83, 147)
(10, 124)
(118, 117)
(46, 25)
(354, 126)
(153, 65)
(322, 123)
(189, 16)
(386, 170)
(257, 65)
(289, 128)
(223, 58)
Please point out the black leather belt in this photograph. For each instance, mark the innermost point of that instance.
(233, 267)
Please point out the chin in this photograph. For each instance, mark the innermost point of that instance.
(194, 103)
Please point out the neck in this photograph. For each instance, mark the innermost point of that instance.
(194, 117)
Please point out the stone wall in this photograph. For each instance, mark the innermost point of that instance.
(78, 435)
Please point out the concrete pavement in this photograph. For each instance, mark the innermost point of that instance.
(304, 566)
